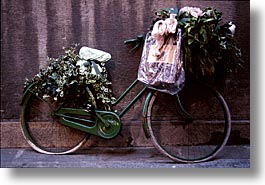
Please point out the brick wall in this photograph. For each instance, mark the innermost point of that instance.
(33, 29)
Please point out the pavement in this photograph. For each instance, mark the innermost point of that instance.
(110, 157)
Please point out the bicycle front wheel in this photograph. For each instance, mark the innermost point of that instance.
(192, 126)
(43, 131)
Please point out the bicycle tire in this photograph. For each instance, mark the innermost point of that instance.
(43, 132)
(194, 128)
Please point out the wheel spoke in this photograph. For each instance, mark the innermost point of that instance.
(192, 129)
(43, 130)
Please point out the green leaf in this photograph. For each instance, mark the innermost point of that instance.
(189, 29)
(190, 41)
(209, 20)
(174, 10)
(184, 21)
(63, 81)
(203, 32)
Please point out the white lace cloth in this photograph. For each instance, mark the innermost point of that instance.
(94, 54)
(87, 53)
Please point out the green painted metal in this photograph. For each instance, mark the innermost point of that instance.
(25, 93)
(110, 130)
(25, 99)
(69, 121)
(135, 82)
(106, 124)
(132, 102)
(182, 110)
(74, 111)
(129, 105)
(144, 111)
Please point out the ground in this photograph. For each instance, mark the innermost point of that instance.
(130, 157)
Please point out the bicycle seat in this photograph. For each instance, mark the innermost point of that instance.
(94, 54)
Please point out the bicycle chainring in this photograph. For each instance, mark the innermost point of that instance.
(112, 129)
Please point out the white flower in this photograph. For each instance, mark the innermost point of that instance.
(93, 71)
(171, 23)
(208, 12)
(232, 28)
(80, 62)
(82, 68)
(61, 94)
(45, 96)
(194, 11)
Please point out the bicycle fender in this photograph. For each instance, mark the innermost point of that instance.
(145, 106)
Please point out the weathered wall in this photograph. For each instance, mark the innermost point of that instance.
(237, 87)
(33, 29)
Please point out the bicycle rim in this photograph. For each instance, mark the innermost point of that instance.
(192, 126)
(42, 130)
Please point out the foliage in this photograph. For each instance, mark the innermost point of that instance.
(207, 44)
(63, 80)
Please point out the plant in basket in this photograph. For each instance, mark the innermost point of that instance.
(67, 77)
(207, 44)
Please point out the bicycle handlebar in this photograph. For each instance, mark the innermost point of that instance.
(136, 42)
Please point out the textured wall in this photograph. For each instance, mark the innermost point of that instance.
(237, 87)
(33, 29)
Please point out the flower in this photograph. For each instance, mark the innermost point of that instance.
(67, 77)
(82, 68)
(232, 28)
(45, 96)
(80, 62)
(194, 11)
(96, 69)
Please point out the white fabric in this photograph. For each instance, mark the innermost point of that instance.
(83, 69)
(162, 28)
(94, 54)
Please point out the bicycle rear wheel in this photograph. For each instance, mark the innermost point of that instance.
(43, 131)
(192, 126)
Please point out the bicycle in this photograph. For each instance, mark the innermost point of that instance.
(187, 127)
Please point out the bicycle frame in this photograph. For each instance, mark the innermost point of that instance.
(136, 98)
(129, 105)
(71, 116)
(99, 114)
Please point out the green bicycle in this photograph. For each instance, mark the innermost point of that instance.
(192, 126)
